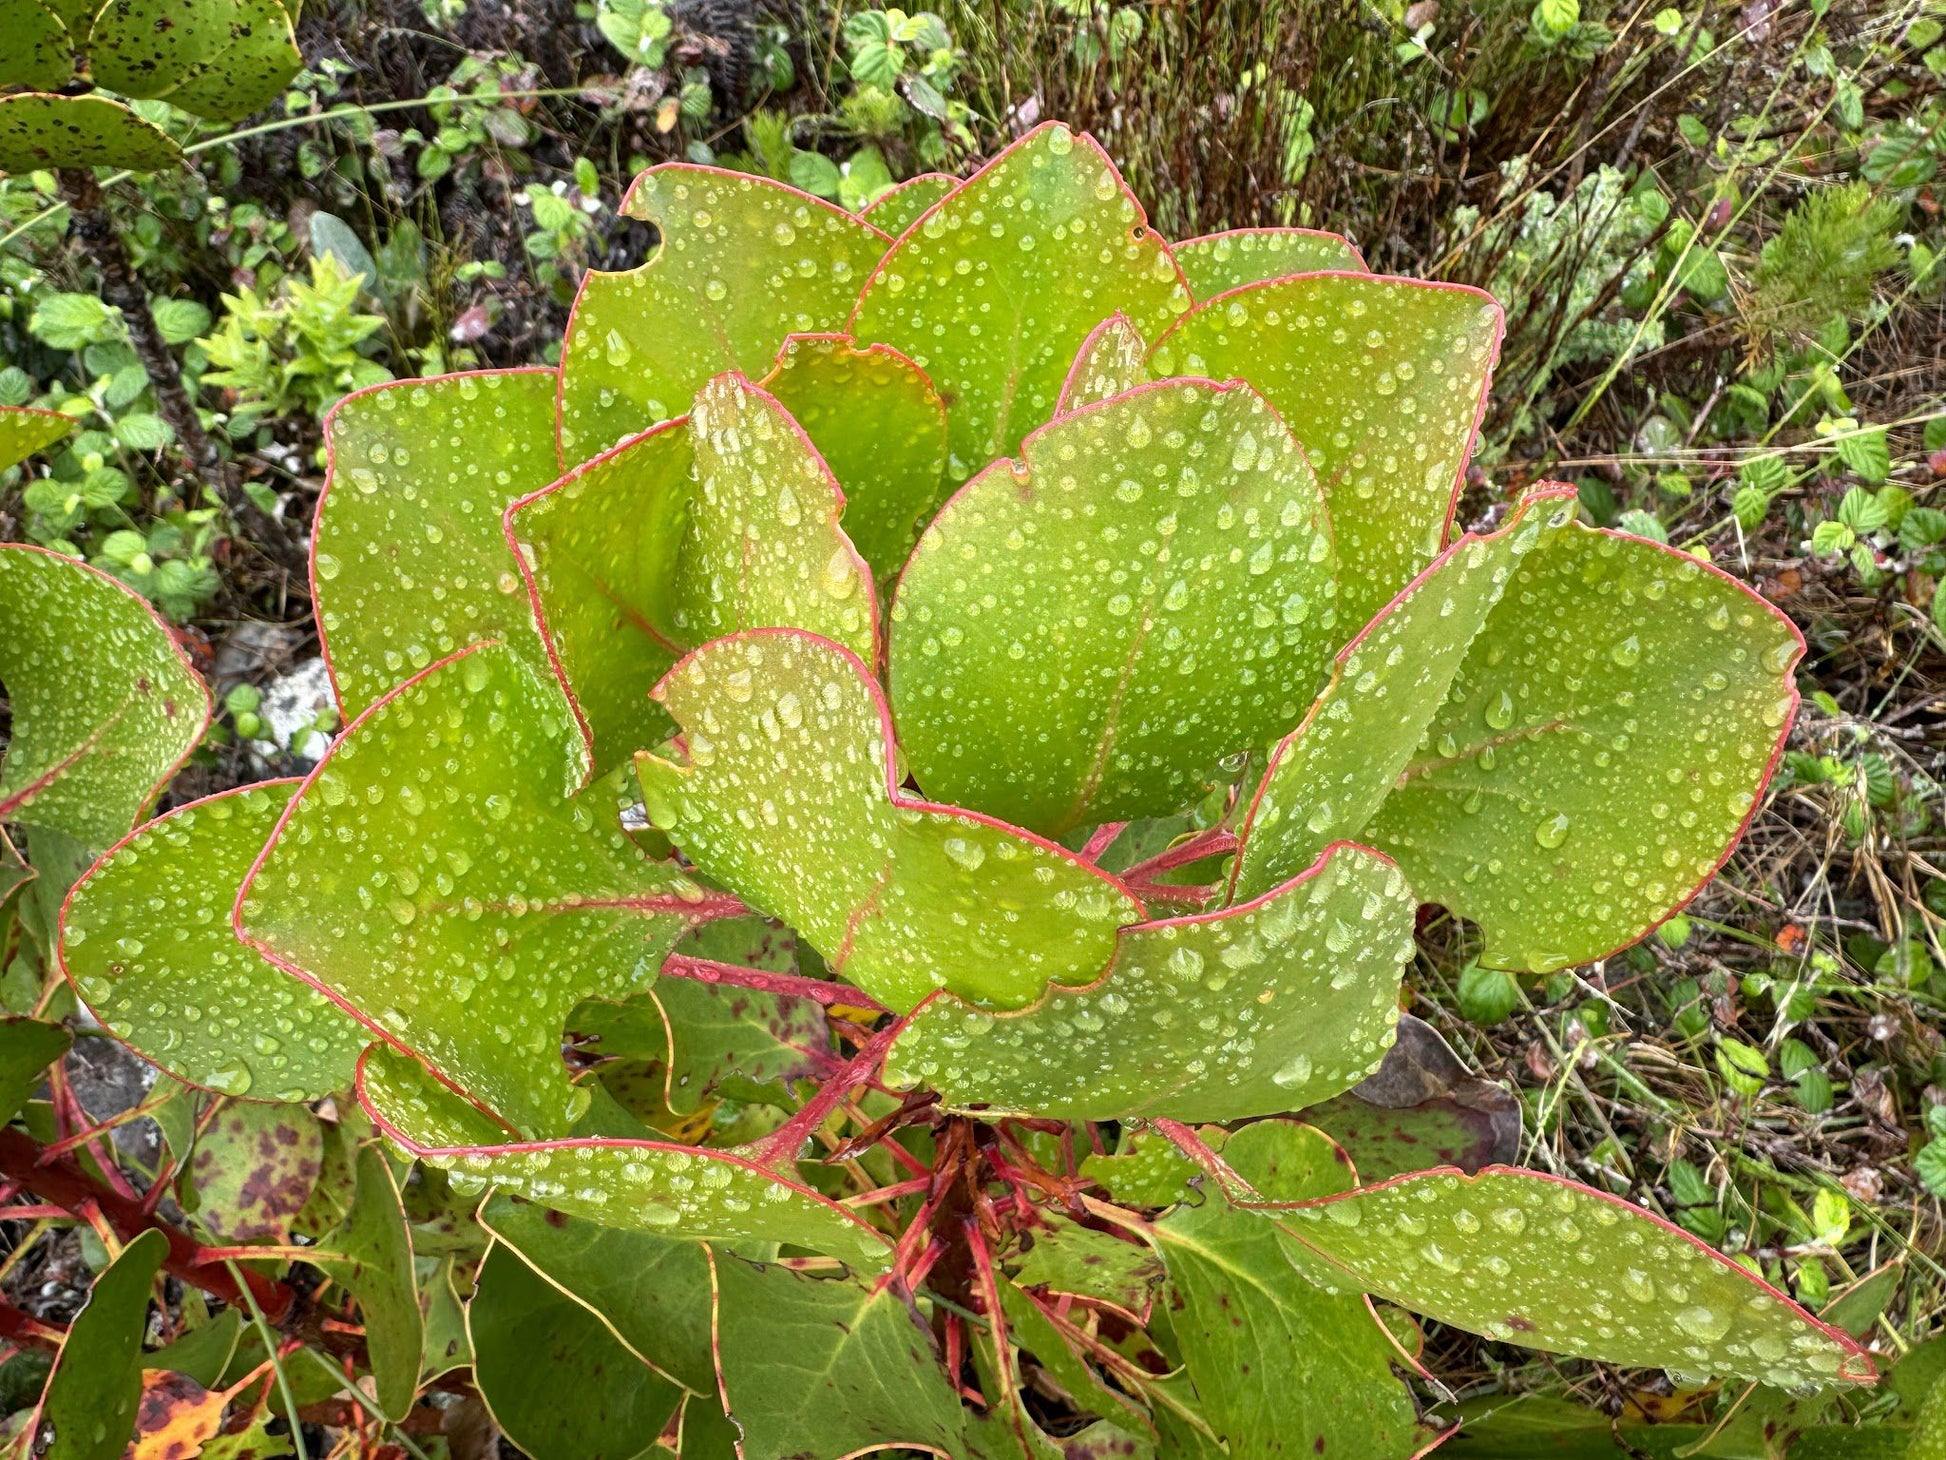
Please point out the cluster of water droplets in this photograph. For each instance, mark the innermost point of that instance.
(1220, 262)
(1381, 379)
(410, 559)
(149, 945)
(1535, 1261)
(743, 263)
(1269, 1007)
(1111, 360)
(784, 800)
(1152, 593)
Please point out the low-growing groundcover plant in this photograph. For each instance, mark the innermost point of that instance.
(863, 898)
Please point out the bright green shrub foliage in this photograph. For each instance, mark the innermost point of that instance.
(772, 746)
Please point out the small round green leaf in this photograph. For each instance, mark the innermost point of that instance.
(995, 289)
(743, 262)
(1257, 1009)
(42, 131)
(146, 939)
(408, 560)
(105, 704)
(1150, 592)
(1383, 380)
(1219, 262)
(433, 878)
(789, 798)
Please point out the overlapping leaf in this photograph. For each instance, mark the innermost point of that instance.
(146, 938)
(40, 130)
(105, 706)
(434, 879)
(408, 557)
(1383, 380)
(1585, 767)
(788, 797)
(27, 1048)
(899, 209)
(24, 432)
(1112, 360)
(253, 1170)
(1151, 592)
(371, 1255)
(1257, 1009)
(725, 520)
(1218, 262)
(1281, 1367)
(660, 1187)
(35, 48)
(1535, 1260)
(994, 290)
(96, 1386)
(743, 262)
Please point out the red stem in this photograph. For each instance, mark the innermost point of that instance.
(704, 970)
(780, 1147)
(67, 1186)
(1102, 840)
(24, 1329)
(1214, 842)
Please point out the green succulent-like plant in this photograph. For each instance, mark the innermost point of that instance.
(952, 730)
(220, 59)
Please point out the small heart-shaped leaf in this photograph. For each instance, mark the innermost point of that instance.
(901, 896)
(743, 262)
(1257, 1009)
(993, 291)
(1197, 511)
(105, 705)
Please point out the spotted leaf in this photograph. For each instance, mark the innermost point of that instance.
(253, 1170)
(1151, 591)
(1532, 1259)
(1219, 262)
(743, 262)
(221, 59)
(39, 130)
(147, 942)
(993, 291)
(661, 1187)
(408, 558)
(105, 705)
(35, 51)
(433, 878)
(1257, 1009)
(788, 797)
(1383, 380)
(1584, 768)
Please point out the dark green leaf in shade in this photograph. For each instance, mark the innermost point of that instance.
(27, 1048)
(92, 1395)
(371, 1254)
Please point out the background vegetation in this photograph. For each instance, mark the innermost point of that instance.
(1715, 232)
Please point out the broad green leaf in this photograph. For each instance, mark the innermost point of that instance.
(24, 432)
(35, 50)
(1030, 1327)
(1600, 747)
(788, 797)
(821, 1368)
(96, 1385)
(749, 1038)
(1067, 1258)
(1219, 262)
(246, 66)
(433, 878)
(408, 558)
(38, 130)
(147, 940)
(707, 1433)
(653, 1293)
(105, 705)
(1146, 1170)
(1151, 592)
(371, 1255)
(881, 428)
(898, 210)
(994, 292)
(726, 522)
(1536, 1427)
(559, 1383)
(254, 1170)
(1281, 1367)
(1329, 776)
(1535, 1260)
(1383, 380)
(743, 262)
(447, 1345)
(1265, 1007)
(601, 547)
(763, 547)
(221, 59)
(660, 1187)
(27, 1048)
(1112, 360)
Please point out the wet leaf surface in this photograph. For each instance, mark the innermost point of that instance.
(23, 433)
(898, 210)
(1113, 359)
(1218, 262)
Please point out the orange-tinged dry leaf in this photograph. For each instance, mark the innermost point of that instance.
(177, 1417)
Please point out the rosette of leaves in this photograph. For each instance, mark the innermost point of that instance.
(878, 795)
(59, 59)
